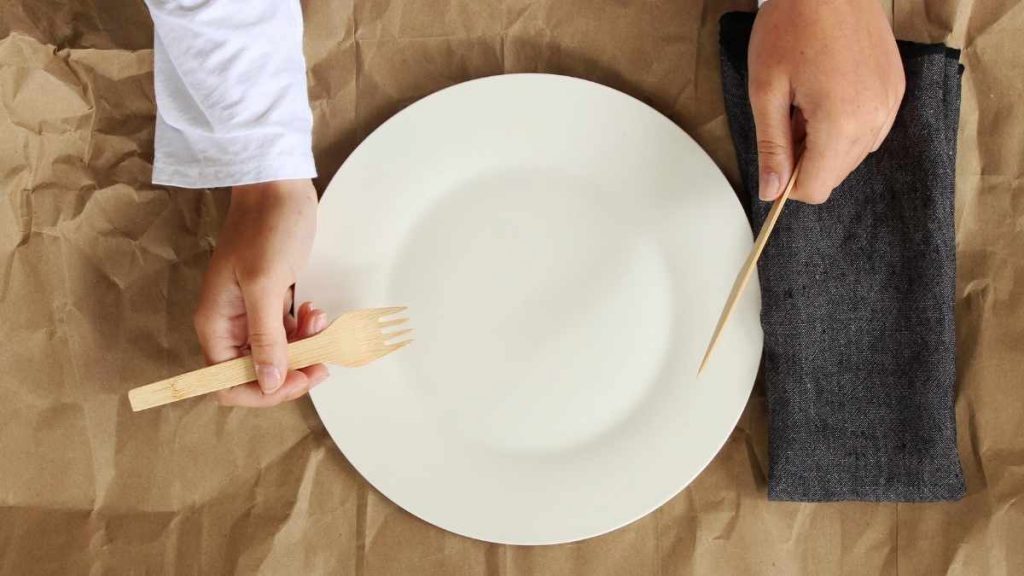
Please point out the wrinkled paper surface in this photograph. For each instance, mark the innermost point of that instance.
(99, 272)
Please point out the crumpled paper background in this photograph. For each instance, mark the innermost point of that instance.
(99, 272)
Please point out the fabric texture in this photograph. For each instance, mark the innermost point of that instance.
(232, 101)
(857, 301)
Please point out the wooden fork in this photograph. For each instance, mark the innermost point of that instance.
(354, 339)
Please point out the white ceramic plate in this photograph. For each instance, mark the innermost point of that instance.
(564, 251)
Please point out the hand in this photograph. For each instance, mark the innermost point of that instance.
(246, 296)
(837, 63)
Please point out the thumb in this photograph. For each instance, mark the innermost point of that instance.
(268, 340)
(773, 125)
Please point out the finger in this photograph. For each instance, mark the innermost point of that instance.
(832, 151)
(252, 396)
(221, 332)
(770, 101)
(220, 338)
(316, 373)
(267, 337)
(297, 382)
(291, 325)
(296, 322)
(315, 321)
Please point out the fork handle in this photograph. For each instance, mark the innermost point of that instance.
(301, 353)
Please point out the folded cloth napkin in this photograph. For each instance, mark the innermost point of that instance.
(857, 301)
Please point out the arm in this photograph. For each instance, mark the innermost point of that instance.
(233, 110)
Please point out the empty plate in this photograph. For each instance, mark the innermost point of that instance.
(564, 251)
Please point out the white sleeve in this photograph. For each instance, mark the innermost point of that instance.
(232, 102)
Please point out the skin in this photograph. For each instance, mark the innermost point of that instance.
(823, 73)
(835, 62)
(244, 304)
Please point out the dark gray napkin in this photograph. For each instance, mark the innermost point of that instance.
(857, 301)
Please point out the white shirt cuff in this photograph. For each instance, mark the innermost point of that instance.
(191, 159)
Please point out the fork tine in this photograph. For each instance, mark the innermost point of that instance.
(378, 352)
(381, 350)
(393, 335)
(392, 347)
(389, 323)
(382, 312)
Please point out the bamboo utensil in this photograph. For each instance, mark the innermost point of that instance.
(354, 339)
(748, 267)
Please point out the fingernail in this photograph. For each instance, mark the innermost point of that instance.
(768, 186)
(321, 322)
(269, 378)
(318, 381)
